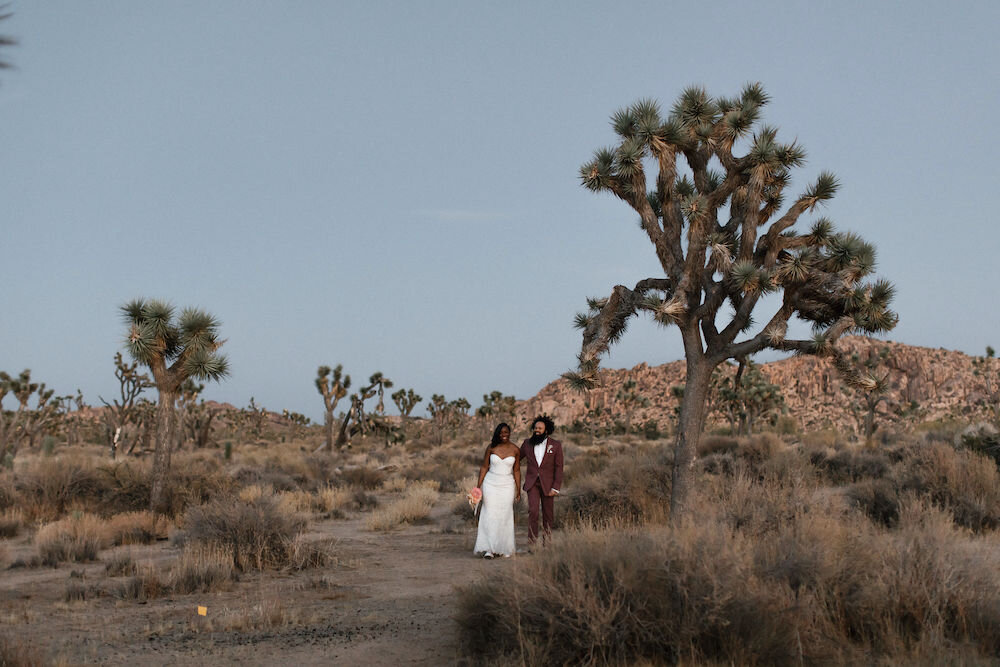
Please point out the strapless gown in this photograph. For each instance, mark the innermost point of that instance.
(496, 518)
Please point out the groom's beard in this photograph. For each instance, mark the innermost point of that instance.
(536, 439)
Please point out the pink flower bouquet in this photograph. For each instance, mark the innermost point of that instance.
(474, 496)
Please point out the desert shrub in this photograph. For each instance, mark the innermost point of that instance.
(362, 501)
(120, 565)
(77, 538)
(824, 438)
(786, 425)
(415, 506)
(982, 441)
(202, 569)
(632, 489)
(11, 522)
(394, 485)
(145, 585)
(125, 486)
(8, 493)
(52, 485)
(757, 505)
(820, 590)
(850, 465)
(717, 444)
(75, 592)
(136, 528)
(940, 430)
(362, 477)
(195, 480)
(878, 499)
(578, 603)
(758, 448)
(249, 475)
(304, 554)
(257, 533)
(965, 483)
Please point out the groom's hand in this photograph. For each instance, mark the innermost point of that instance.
(552, 493)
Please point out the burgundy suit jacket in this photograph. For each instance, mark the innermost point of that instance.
(550, 472)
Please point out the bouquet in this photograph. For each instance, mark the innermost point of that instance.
(474, 496)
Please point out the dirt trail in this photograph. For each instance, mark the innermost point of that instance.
(387, 600)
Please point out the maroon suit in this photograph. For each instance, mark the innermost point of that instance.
(539, 480)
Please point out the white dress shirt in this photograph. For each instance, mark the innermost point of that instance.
(540, 451)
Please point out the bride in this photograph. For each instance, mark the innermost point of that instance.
(500, 481)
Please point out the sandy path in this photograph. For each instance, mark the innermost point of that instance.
(388, 600)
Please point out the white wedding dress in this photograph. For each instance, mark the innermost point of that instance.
(496, 517)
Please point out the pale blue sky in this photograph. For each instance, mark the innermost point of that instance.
(393, 185)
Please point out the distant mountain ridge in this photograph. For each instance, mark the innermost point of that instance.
(927, 384)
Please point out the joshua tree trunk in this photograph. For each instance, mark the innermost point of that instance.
(692, 421)
(166, 427)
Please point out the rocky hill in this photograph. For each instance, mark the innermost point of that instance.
(926, 384)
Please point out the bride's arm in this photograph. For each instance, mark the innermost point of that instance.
(483, 468)
(517, 476)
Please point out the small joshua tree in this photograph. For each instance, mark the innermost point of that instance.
(122, 415)
(496, 408)
(355, 420)
(24, 423)
(173, 351)
(446, 414)
(723, 243)
(746, 397)
(406, 400)
(333, 386)
(870, 389)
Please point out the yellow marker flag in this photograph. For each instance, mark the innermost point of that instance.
(203, 611)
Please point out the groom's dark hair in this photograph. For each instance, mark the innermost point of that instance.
(550, 426)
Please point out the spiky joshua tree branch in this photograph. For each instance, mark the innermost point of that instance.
(715, 214)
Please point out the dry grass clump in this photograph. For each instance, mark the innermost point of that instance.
(120, 565)
(257, 533)
(11, 522)
(77, 538)
(632, 489)
(304, 554)
(334, 498)
(363, 477)
(145, 585)
(202, 569)
(964, 482)
(818, 590)
(446, 469)
(394, 485)
(16, 652)
(415, 506)
(141, 527)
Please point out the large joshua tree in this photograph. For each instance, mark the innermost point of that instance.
(714, 213)
(174, 351)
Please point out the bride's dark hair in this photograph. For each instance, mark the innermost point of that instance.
(496, 434)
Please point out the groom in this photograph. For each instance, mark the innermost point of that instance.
(543, 478)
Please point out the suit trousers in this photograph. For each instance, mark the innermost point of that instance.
(537, 497)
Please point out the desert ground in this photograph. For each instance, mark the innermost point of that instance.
(806, 548)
